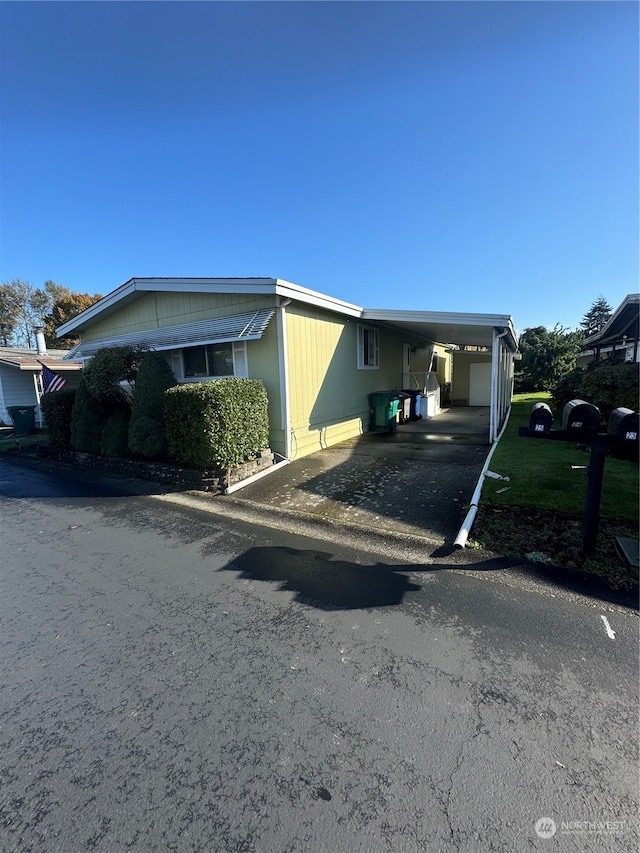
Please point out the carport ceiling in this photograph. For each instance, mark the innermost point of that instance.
(444, 328)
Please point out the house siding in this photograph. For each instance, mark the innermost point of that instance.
(461, 385)
(329, 395)
(159, 310)
(16, 389)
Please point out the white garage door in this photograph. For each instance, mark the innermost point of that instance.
(480, 384)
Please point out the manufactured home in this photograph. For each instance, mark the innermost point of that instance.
(319, 357)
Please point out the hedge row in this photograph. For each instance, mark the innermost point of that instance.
(216, 424)
(208, 425)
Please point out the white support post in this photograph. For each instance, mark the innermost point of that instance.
(285, 412)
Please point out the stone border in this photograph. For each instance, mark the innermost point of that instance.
(213, 481)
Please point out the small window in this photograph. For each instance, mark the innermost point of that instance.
(212, 360)
(368, 348)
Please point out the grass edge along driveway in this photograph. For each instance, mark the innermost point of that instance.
(538, 514)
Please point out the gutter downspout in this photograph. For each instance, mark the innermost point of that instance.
(463, 533)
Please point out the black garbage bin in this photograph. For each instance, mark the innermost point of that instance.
(24, 419)
(415, 403)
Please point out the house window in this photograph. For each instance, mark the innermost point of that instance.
(368, 348)
(211, 360)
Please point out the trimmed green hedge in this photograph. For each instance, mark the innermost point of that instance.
(147, 433)
(89, 418)
(56, 409)
(216, 424)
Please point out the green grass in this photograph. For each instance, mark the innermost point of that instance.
(540, 515)
(542, 477)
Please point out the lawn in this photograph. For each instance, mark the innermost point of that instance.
(552, 475)
(538, 513)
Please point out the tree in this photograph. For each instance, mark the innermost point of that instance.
(596, 317)
(66, 305)
(22, 308)
(9, 311)
(547, 356)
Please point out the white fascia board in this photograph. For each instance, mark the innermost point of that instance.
(207, 285)
(504, 321)
(93, 311)
(288, 290)
(253, 286)
(446, 318)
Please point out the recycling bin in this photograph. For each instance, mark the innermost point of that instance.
(24, 419)
(384, 405)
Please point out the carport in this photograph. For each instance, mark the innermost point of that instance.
(493, 332)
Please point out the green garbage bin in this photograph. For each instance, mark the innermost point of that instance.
(385, 408)
(24, 418)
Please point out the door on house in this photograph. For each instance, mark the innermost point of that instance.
(480, 384)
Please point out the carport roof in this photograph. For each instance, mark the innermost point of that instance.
(445, 327)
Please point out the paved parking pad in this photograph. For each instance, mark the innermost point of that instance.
(392, 484)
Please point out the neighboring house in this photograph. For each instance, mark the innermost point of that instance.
(319, 357)
(618, 337)
(21, 376)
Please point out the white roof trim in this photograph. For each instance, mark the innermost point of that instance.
(250, 286)
(236, 327)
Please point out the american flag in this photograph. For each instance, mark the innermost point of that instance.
(51, 381)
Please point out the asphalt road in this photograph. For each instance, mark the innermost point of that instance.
(176, 681)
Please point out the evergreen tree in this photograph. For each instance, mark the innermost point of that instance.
(147, 433)
(596, 317)
(547, 356)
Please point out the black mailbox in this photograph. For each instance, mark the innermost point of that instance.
(623, 425)
(580, 418)
(540, 419)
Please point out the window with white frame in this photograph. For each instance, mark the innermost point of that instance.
(368, 348)
(211, 361)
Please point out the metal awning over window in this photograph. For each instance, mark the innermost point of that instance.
(238, 327)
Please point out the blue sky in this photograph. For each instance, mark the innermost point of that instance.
(444, 156)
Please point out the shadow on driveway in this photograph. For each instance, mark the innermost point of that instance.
(321, 581)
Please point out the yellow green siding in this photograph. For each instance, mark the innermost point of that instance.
(263, 363)
(329, 395)
(158, 310)
(461, 373)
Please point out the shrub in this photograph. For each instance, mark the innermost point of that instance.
(216, 424)
(147, 432)
(567, 389)
(108, 368)
(115, 433)
(88, 419)
(56, 409)
(611, 385)
(607, 385)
